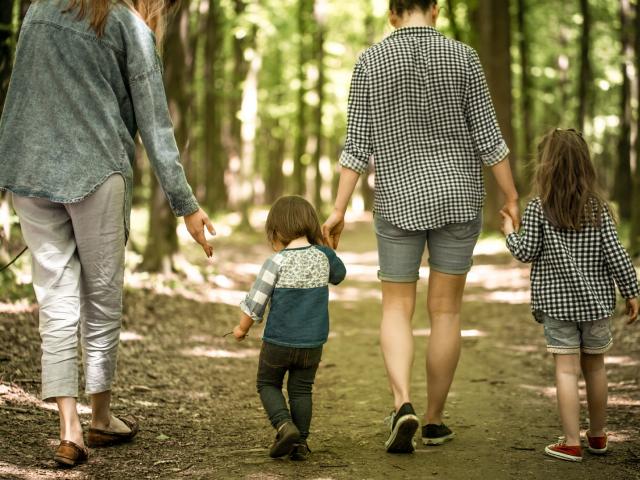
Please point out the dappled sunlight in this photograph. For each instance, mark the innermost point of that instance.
(15, 308)
(494, 277)
(220, 353)
(517, 297)
(490, 246)
(623, 361)
(623, 401)
(13, 394)
(523, 348)
(354, 294)
(546, 391)
(9, 470)
(425, 332)
(127, 336)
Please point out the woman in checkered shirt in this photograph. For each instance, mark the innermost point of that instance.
(568, 234)
(420, 107)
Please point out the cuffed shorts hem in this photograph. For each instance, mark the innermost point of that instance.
(398, 278)
(598, 350)
(98, 389)
(450, 270)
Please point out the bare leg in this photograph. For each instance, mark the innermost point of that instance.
(396, 337)
(444, 302)
(567, 373)
(70, 428)
(595, 376)
(101, 414)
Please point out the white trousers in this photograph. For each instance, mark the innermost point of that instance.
(78, 274)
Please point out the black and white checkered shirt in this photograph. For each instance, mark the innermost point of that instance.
(420, 106)
(573, 272)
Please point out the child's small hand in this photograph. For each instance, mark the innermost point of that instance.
(507, 223)
(632, 310)
(239, 333)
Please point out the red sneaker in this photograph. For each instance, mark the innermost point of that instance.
(598, 445)
(561, 450)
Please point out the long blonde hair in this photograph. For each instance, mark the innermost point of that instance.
(153, 12)
(566, 181)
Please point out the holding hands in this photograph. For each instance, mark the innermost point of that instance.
(510, 217)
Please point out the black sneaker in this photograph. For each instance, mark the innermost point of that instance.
(300, 452)
(433, 434)
(404, 424)
(287, 437)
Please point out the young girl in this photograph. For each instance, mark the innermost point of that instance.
(295, 279)
(568, 233)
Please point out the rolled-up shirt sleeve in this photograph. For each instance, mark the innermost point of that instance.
(481, 115)
(526, 245)
(358, 145)
(255, 303)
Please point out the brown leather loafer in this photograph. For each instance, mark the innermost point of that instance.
(70, 454)
(104, 438)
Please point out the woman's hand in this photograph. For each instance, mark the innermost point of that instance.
(196, 222)
(332, 229)
(240, 333)
(512, 209)
(632, 310)
(507, 223)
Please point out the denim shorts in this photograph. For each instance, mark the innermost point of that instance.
(400, 251)
(566, 337)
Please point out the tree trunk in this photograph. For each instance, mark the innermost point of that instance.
(622, 182)
(300, 160)
(320, 35)
(635, 211)
(162, 240)
(584, 89)
(215, 157)
(493, 26)
(451, 15)
(6, 47)
(273, 144)
(525, 80)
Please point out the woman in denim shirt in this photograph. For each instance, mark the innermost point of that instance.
(87, 79)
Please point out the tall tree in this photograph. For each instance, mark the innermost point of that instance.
(526, 103)
(586, 75)
(162, 240)
(635, 213)
(493, 27)
(215, 156)
(451, 15)
(320, 34)
(622, 179)
(305, 12)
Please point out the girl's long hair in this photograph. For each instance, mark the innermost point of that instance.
(153, 12)
(566, 181)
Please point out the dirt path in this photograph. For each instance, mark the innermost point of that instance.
(201, 418)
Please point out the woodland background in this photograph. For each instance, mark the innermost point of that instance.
(258, 95)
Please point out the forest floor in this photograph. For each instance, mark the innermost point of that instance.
(194, 390)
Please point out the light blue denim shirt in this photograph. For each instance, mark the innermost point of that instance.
(75, 104)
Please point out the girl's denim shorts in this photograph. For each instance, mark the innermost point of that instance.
(400, 251)
(566, 337)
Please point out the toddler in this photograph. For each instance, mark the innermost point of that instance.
(295, 280)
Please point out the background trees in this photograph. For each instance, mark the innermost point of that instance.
(258, 93)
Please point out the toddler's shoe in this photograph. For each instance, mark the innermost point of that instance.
(433, 434)
(598, 445)
(404, 424)
(287, 437)
(300, 452)
(571, 453)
